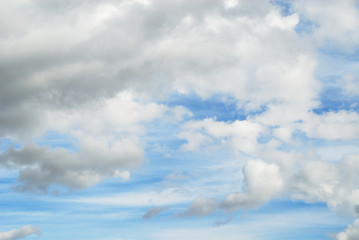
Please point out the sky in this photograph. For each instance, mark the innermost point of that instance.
(181, 119)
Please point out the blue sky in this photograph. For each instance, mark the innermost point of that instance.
(154, 119)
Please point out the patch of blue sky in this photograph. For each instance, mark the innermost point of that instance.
(222, 108)
(285, 6)
(162, 136)
(295, 222)
(5, 143)
(56, 139)
(305, 27)
(333, 65)
(333, 99)
(301, 220)
(285, 219)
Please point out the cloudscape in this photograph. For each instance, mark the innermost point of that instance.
(179, 119)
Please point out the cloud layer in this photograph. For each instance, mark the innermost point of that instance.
(102, 75)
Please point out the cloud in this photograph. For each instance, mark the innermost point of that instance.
(341, 16)
(138, 199)
(263, 181)
(83, 72)
(332, 183)
(42, 167)
(96, 70)
(171, 46)
(240, 135)
(151, 213)
(176, 177)
(200, 207)
(309, 180)
(221, 223)
(23, 232)
(106, 136)
(350, 233)
(342, 125)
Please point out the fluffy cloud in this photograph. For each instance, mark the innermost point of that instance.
(341, 125)
(333, 183)
(83, 51)
(310, 180)
(41, 167)
(106, 137)
(335, 23)
(351, 233)
(240, 135)
(263, 181)
(93, 71)
(82, 70)
(23, 232)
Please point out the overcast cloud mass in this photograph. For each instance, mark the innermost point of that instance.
(209, 119)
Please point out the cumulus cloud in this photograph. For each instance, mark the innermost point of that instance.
(42, 167)
(311, 180)
(93, 70)
(21, 233)
(333, 183)
(263, 181)
(350, 233)
(92, 54)
(107, 138)
(82, 71)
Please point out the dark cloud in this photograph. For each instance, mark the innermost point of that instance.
(221, 223)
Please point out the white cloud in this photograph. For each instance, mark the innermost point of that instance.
(139, 199)
(240, 135)
(263, 182)
(309, 180)
(350, 233)
(350, 84)
(335, 22)
(21, 233)
(82, 71)
(93, 69)
(341, 125)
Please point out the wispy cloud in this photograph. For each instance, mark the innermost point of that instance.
(21, 233)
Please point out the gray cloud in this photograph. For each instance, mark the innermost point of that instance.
(221, 223)
(42, 167)
(23, 232)
(79, 52)
(151, 213)
(200, 207)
